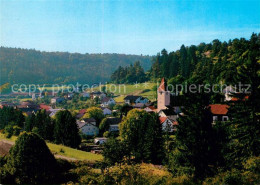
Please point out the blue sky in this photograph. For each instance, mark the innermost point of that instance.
(123, 26)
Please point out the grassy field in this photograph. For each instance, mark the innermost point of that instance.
(65, 151)
(73, 153)
(142, 89)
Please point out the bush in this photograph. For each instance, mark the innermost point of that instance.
(9, 131)
(106, 134)
(16, 130)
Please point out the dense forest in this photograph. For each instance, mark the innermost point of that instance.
(206, 63)
(129, 74)
(211, 63)
(31, 66)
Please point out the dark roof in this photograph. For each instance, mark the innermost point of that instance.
(96, 92)
(80, 124)
(131, 97)
(105, 99)
(113, 121)
(78, 116)
(168, 112)
(89, 120)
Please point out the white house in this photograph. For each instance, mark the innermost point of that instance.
(168, 124)
(168, 113)
(106, 101)
(228, 91)
(219, 112)
(130, 99)
(113, 128)
(87, 128)
(106, 111)
(100, 140)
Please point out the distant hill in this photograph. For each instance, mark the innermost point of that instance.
(30, 66)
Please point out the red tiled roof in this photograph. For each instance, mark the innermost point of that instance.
(219, 109)
(151, 107)
(46, 107)
(162, 86)
(82, 111)
(162, 119)
(236, 99)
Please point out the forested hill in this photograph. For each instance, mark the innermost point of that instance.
(31, 66)
(229, 62)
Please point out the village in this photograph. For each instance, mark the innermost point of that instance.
(114, 112)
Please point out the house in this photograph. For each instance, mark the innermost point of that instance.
(45, 107)
(85, 94)
(113, 124)
(52, 112)
(150, 109)
(55, 100)
(228, 92)
(6, 104)
(106, 111)
(68, 96)
(29, 107)
(97, 94)
(139, 105)
(106, 101)
(168, 113)
(100, 140)
(113, 128)
(81, 113)
(90, 120)
(29, 111)
(88, 128)
(168, 124)
(130, 99)
(219, 112)
(29, 104)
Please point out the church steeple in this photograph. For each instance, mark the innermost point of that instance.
(163, 85)
(163, 95)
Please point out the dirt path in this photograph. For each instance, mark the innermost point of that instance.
(5, 146)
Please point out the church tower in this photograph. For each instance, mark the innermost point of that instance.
(163, 96)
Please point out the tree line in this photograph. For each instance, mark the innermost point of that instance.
(29, 66)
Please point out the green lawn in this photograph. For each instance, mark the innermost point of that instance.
(73, 153)
(65, 151)
(121, 90)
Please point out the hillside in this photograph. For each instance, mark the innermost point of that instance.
(31, 66)
(213, 63)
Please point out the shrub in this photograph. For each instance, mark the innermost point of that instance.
(9, 131)
(106, 134)
(16, 130)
